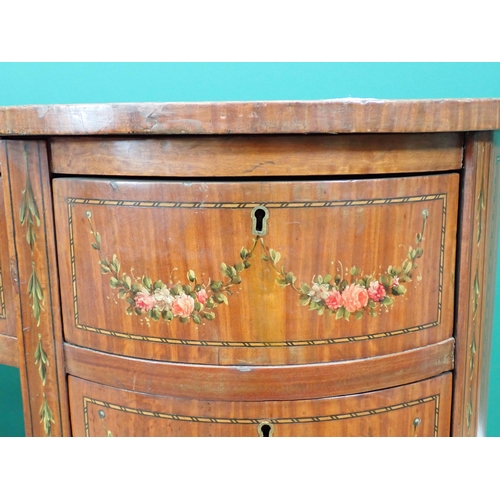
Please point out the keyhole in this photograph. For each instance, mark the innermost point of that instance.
(260, 215)
(265, 429)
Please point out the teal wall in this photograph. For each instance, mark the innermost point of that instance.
(42, 83)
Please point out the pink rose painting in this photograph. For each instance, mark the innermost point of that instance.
(202, 296)
(354, 297)
(144, 301)
(183, 306)
(376, 291)
(334, 300)
(395, 282)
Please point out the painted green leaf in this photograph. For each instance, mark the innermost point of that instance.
(167, 315)
(46, 417)
(221, 298)
(399, 290)
(387, 301)
(305, 300)
(385, 280)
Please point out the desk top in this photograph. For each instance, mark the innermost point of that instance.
(272, 117)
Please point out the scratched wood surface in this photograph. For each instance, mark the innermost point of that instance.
(421, 409)
(160, 231)
(272, 117)
(250, 156)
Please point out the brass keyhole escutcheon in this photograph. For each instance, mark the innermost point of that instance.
(265, 429)
(260, 214)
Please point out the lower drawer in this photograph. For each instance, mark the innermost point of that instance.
(419, 409)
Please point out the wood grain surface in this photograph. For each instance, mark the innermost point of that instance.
(421, 409)
(272, 117)
(250, 156)
(319, 228)
(260, 383)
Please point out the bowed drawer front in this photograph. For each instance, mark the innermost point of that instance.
(257, 273)
(421, 409)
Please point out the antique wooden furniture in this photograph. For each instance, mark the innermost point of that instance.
(244, 269)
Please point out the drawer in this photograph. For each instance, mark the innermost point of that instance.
(420, 409)
(189, 272)
(263, 155)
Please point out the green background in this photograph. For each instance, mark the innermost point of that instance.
(61, 83)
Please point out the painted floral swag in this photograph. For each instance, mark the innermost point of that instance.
(343, 295)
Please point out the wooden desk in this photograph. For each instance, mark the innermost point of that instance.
(243, 269)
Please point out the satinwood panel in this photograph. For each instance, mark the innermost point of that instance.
(420, 409)
(180, 271)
